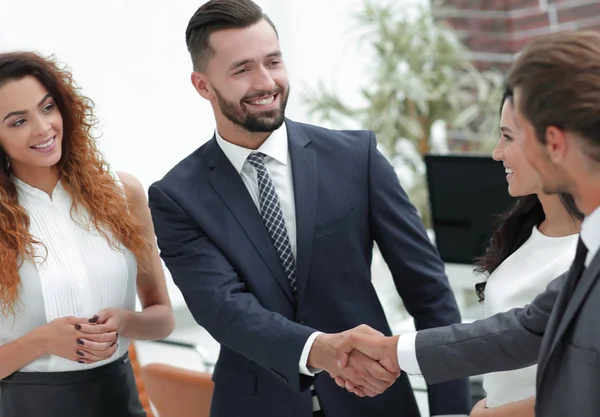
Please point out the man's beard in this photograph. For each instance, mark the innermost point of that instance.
(263, 122)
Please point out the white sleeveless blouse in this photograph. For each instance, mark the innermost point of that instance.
(81, 275)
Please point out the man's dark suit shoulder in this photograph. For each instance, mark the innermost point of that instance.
(337, 141)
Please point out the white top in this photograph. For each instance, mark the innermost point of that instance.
(81, 275)
(515, 283)
(406, 348)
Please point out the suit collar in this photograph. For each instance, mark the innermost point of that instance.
(304, 173)
(590, 234)
(275, 146)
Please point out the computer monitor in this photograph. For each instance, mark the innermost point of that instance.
(466, 192)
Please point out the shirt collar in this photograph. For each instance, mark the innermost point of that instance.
(590, 232)
(275, 146)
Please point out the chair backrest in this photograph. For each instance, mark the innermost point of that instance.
(139, 382)
(178, 392)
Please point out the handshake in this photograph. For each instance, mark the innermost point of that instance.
(362, 360)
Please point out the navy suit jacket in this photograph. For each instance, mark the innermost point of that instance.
(214, 243)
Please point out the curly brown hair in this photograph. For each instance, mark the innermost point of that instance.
(82, 170)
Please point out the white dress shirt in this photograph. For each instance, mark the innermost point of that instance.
(406, 349)
(278, 164)
(518, 280)
(81, 275)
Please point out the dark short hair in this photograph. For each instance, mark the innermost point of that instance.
(216, 15)
(558, 76)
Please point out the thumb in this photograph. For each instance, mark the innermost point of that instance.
(342, 359)
(347, 345)
(101, 317)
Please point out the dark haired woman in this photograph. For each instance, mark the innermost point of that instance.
(532, 243)
(76, 241)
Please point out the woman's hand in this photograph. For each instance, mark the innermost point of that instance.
(521, 408)
(64, 337)
(101, 333)
(479, 410)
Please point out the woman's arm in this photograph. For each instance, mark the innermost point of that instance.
(156, 320)
(522, 408)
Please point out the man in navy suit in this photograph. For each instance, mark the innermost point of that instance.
(268, 230)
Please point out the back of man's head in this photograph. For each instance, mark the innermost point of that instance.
(558, 78)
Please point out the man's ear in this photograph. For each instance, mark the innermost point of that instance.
(557, 144)
(200, 83)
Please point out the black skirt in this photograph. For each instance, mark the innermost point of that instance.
(106, 391)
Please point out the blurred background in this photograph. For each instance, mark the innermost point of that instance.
(425, 75)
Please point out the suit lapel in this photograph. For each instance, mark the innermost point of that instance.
(228, 184)
(304, 173)
(565, 309)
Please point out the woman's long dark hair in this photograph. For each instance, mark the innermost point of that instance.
(513, 227)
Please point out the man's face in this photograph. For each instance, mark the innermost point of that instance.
(547, 159)
(246, 80)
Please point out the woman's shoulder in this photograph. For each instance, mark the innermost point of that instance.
(134, 191)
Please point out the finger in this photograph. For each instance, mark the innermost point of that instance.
(349, 386)
(97, 328)
(359, 375)
(75, 320)
(341, 382)
(366, 392)
(94, 346)
(363, 392)
(99, 338)
(95, 355)
(103, 316)
(354, 379)
(378, 372)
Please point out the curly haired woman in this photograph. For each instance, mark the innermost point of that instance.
(76, 241)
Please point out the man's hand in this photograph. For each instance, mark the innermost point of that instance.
(377, 347)
(369, 376)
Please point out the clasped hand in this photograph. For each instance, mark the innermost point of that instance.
(85, 340)
(359, 360)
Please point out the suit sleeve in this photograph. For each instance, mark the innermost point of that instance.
(217, 297)
(416, 268)
(502, 342)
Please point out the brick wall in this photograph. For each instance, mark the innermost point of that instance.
(494, 30)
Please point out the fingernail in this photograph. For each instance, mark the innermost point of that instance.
(80, 353)
(77, 327)
(80, 362)
(339, 364)
(93, 319)
(113, 344)
(117, 334)
(79, 342)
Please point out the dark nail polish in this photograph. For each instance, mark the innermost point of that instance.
(77, 327)
(80, 353)
(117, 334)
(79, 342)
(114, 343)
(93, 320)
(80, 362)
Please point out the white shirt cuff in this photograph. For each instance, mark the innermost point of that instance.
(304, 368)
(407, 353)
